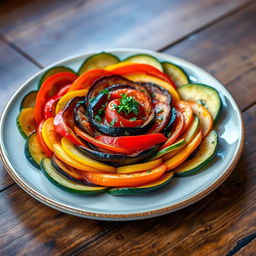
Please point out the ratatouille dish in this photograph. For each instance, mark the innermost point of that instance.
(124, 127)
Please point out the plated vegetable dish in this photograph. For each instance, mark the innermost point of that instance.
(122, 127)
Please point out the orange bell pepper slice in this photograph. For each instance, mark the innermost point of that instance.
(182, 156)
(185, 109)
(130, 179)
(204, 116)
(88, 78)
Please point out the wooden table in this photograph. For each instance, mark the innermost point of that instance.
(219, 36)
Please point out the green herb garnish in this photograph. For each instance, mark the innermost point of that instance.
(128, 105)
(105, 91)
(133, 119)
(112, 123)
(98, 118)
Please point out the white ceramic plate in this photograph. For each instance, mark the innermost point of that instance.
(177, 194)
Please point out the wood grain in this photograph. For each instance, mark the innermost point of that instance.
(226, 49)
(209, 227)
(31, 228)
(248, 250)
(14, 70)
(51, 30)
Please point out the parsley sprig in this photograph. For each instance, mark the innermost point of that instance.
(128, 105)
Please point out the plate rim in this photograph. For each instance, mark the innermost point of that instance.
(120, 216)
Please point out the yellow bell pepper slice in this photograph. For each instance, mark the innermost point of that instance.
(61, 154)
(74, 153)
(118, 65)
(69, 96)
(139, 167)
(50, 136)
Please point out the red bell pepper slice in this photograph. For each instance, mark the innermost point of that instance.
(49, 88)
(176, 130)
(64, 130)
(64, 122)
(137, 142)
(88, 78)
(64, 90)
(44, 147)
(143, 68)
(98, 143)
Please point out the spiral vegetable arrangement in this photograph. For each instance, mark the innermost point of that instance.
(122, 127)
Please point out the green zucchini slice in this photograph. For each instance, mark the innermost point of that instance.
(145, 59)
(176, 73)
(59, 180)
(161, 182)
(100, 60)
(52, 71)
(206, 152)
(26, 122)
(33, 151)
(204, 95)
(189, 134)
(170, 148)
(29, 100)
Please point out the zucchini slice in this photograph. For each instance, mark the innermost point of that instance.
(204, 95)
(33, 151)
(176, 73)
(29, 100)
(206, 152)
(26, 122)
(170, 148)
(57, 179)
(100, 60)
(52, 71)
(161, 182)
(145, 59)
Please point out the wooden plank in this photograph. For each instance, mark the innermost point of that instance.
(14, 70)
(210, 227)
(49, 31)
(226, 49)
(248, 250)
(243, 88)
(31, 228)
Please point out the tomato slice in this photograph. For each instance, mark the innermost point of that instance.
(88, 78)
(49, 88)
(176, 130)
(185, 109)
(50, 106)
(137, 142)
(129, 180)
(140, 68)
(117, 120)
